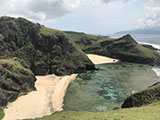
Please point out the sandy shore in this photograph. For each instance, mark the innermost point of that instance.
(97, 59)
(47, 99)
(49, 95)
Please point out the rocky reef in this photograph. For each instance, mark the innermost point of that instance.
(15, 80)
(45, 50)
(125, 49)
(145, 97)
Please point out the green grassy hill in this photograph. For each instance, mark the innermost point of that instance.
(150, 112)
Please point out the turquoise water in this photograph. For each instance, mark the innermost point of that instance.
(107, 88)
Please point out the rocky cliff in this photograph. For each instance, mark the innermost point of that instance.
(126, 48)
(145, 97)
(45, 50)
(15, 79)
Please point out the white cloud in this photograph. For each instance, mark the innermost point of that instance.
(108, 1)
(38, 9)
(151, 19)
(43, 9)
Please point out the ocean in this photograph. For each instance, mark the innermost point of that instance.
(107, 88)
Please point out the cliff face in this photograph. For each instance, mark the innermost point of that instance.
(15, 80)
(126, 48)
(144, 97)
(45, 50)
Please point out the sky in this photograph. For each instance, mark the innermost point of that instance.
(89, 16)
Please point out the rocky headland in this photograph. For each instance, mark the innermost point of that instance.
(125, 49)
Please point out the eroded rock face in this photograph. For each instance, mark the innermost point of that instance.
(144, 97)
(45, 50)
(15, 80)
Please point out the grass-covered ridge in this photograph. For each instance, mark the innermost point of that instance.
(150, 112)
(86, 41)
(49, 31)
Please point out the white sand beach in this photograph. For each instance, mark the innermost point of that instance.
(49, 95)
(97, 59)
(47, 99)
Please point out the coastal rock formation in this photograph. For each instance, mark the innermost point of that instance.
(144, 97)
(150, 47)
(15, 80)
(45, 50)
(125, 49)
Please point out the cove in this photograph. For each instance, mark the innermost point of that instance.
(107, 88)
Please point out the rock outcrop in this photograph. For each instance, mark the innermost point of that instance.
(150, 47)
(45, 50)
(144, 97)
(15, 80)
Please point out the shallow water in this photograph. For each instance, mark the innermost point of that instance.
(107, 88)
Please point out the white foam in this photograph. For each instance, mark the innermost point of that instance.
(156, 70)
(154, 45)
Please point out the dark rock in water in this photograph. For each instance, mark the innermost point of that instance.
(45, 50)
(150, 47)
(102, 92)
(116, 108)
(15, 80)
(107, 97)
(144, 97)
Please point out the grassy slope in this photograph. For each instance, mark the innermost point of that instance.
(1, 115)
(75, 37)
(49, 31)
(16, 65)
(150, 112)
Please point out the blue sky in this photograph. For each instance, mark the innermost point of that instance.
(90, 16)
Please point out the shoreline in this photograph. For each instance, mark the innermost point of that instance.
(45, 101)
(49, 96)
(98, 59)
